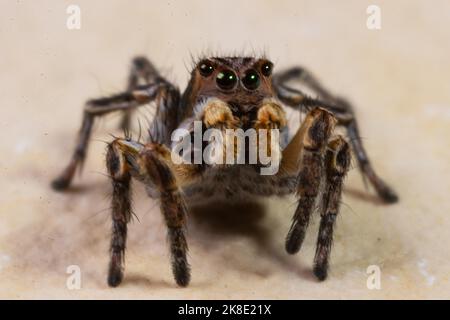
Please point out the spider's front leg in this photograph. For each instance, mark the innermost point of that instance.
(316, 161)
(337, 163)
(151, 165)
(305, 156)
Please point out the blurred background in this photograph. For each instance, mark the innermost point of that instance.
(398, 78)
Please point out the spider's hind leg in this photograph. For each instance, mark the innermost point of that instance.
(94, 108)
(142, 72)
(166, 97)
(343, 111)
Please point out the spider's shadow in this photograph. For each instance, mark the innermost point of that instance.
(224, 219)
(216, 222)
(364, 195)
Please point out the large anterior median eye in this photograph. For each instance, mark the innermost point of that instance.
(226, 79)
(206, 68)
(251, 79)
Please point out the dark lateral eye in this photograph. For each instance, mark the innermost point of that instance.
(226, 79)
(251, 79)
(266, 69)
(206, 68)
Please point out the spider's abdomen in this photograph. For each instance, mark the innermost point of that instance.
(237, 182)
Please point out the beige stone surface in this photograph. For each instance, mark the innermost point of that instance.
(398, 78)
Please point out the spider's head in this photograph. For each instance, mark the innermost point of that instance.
(243, 81)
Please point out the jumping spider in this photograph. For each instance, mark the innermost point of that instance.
(227, 92)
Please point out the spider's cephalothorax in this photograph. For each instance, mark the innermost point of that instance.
(227, 93)
(242, 83)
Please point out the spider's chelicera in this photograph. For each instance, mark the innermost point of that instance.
(237, 94)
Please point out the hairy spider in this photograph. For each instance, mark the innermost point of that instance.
(224, 93)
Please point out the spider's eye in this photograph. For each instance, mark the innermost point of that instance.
(226, 79)
(206, 68)
(251, 79)
(266, 69)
